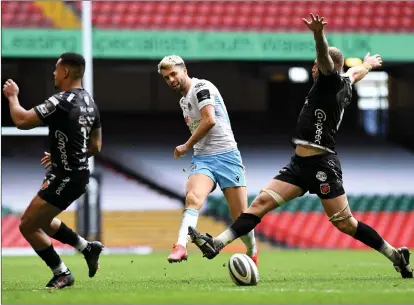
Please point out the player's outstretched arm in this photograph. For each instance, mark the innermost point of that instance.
(316, 25)
(22, 118)
(357, 73)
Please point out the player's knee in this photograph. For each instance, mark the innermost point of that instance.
(347, 226)
(25, 226)
(262, 204)
(48, 230)
(268, 199)
(259, 202)
(192, 201)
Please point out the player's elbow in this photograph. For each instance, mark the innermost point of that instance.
(210, 122)
(325, 65)
(22, 125)
(326, 69)
(95, 148)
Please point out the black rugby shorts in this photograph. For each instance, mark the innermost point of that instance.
(61, 189)
(320, 174)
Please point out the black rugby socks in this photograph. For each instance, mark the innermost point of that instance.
(242, 226)
(52, 259)
(65, 235)
(368, 236)
(371, 238)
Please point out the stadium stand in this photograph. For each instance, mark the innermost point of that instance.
(345, 16)
(133, 214)
(368, 16)
(23, 14)
(302, 223)
(383, 203)
(136, 215)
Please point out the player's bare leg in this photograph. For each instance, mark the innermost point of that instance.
(275, 194)
(38, 214)
(197, 189)
(341, 217)
(237, 200)
(90, 250)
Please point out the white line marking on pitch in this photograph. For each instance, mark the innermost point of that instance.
(317, 290)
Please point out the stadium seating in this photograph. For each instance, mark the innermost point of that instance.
(344, 16)
(251, 15)
(23, 14)
(303, 224)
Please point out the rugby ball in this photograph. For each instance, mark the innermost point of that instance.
(243, 271)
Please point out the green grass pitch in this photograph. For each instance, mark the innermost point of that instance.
(286, 276)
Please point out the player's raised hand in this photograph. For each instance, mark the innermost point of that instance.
(46, 161)
(316, 24)
(375, 61)
(10, 88)
(181, 150)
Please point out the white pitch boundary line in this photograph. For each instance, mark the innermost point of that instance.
(315, 290)
(17, 251)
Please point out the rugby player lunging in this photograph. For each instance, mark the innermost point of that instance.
(315, 167)
(74, 134)
(216, 157)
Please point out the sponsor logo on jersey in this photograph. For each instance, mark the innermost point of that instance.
(90, 119)
(331, 163)
(82, 120)
(321, 176)
(62, 140)
(325, 188)
(320, 118)
(203, 95)
(193, 125)
(45, 185)
(70, 97)
(199, 85)
(47, 108)
(62, 185)
(86, 109)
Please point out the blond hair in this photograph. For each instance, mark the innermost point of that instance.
(169, 62)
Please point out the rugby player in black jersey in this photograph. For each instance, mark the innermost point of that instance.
(74, 135)
(315, 167)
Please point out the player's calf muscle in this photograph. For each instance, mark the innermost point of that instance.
(52, 227)
(236, 211)
(347, 226)
(236, 198)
